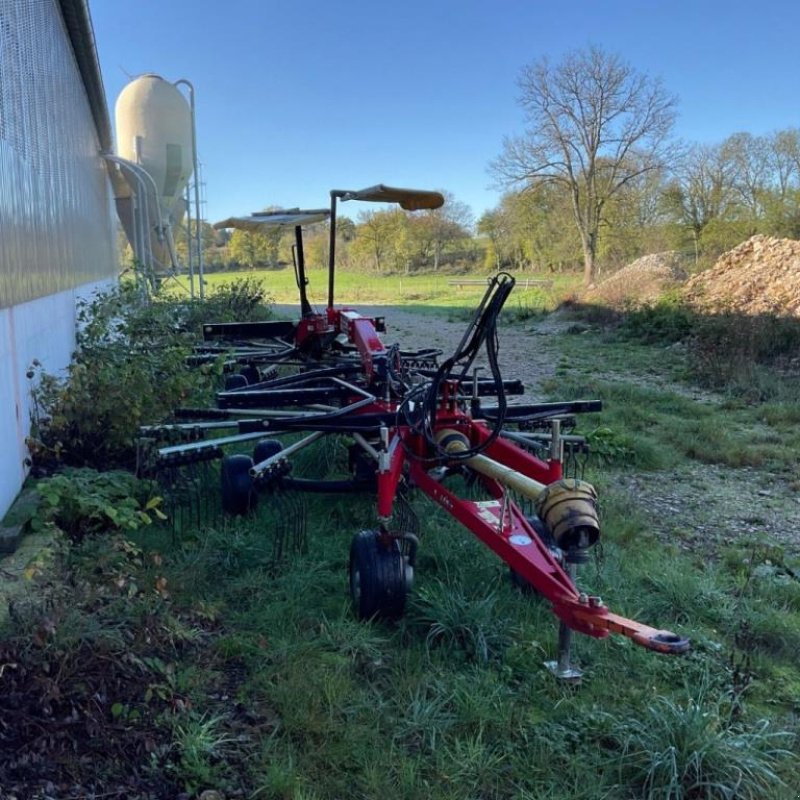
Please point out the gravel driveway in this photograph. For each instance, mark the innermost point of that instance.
(524, 353)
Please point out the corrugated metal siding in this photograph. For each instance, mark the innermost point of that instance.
(56, 228)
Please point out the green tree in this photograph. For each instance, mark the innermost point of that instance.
(493, 225)
(373, 238)
(209, 239)
(635, 222)
(441, 228)
(257, 249)
(595, 125)
(700, 191)
(540, 227)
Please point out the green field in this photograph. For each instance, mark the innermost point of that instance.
(355, 287)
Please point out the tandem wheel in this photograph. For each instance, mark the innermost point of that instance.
(234, 382)
(238, 493)
(266, 448)
(380, 576)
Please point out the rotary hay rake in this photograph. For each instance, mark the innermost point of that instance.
(410, 422)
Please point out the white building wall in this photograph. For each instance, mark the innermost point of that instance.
(57, 233)
(41, 329)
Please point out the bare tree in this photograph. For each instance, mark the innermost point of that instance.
(749, 157)
(784, 148)
(595, 124)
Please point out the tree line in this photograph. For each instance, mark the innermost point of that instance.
(597, 177)
(706, 200)
(377, 241)
(595, 180)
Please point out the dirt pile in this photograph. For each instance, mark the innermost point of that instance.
(759, 276)
(640, 283)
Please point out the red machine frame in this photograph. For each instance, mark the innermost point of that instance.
(369, 405)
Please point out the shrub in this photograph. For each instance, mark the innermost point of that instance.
(729, 350)
(129, 369)
(665, 322)
(82, 502)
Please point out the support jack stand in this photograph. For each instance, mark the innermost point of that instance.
(562, 669)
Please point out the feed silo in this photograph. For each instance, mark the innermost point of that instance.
(156, 156)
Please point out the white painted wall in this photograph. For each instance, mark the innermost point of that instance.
(42, 329)
(57, 235)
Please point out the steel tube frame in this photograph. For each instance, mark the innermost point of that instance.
(198, 212)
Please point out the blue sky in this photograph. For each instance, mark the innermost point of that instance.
(296, 98)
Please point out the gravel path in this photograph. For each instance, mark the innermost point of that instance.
(525, 352)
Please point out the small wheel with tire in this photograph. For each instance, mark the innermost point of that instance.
(266, 448)
(380, 576)
(238, 493)
(251, 374)
(233, 382)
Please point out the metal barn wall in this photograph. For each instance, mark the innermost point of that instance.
(57, 232)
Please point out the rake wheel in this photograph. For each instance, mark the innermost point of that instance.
(378, 576)
(238, 497)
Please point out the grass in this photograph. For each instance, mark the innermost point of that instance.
(220, 669)
(262, 682)
(357, 287)
(688, 750)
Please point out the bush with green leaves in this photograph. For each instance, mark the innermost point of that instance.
(666, 321)
(129, 369)
(244, 299)
(750, 356)
(82, 502)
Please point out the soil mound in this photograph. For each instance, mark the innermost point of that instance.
(640, 283)
(759, 276)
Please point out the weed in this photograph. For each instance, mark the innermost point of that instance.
(760, 624)
(673, 593)
(455, 621)
(474, 764)
(425, 716)
(82, 502)
(681, 751)
(202, 744)
(664, 322)
(363, 645)
(531, 305)
(609, 447)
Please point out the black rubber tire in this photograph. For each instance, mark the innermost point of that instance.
(233, 382)
(265, 448)
(238, 494)
(250, 374)
(378, 581)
